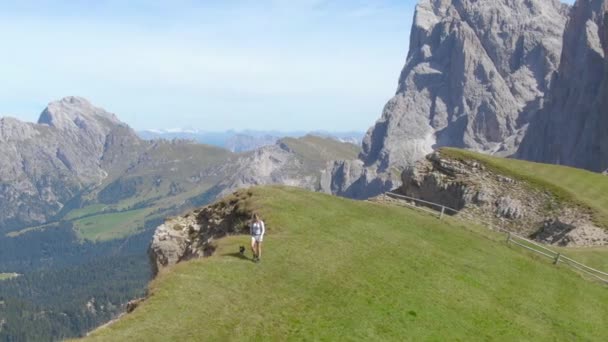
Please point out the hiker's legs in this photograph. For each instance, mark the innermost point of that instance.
(259, 243)
(253, 243)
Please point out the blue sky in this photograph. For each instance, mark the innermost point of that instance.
(210, 65)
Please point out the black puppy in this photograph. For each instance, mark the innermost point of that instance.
(242, 250)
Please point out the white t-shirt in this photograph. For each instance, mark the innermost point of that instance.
(257, 228)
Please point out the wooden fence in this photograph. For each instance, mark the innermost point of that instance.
(512, 239)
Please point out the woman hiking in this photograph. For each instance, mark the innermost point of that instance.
(257, 230)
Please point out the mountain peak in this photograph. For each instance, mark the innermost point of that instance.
(75, 112)
(476, 72)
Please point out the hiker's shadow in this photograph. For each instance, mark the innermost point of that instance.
(238, 255)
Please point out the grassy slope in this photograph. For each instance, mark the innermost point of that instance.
(111, 226)
(86, 211)
(317, 151)
(335, 269)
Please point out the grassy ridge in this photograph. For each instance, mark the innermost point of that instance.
(335, 269)
(586, 189)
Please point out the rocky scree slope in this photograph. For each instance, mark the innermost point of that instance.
(572, 129)
(480, 193)
(475, 74)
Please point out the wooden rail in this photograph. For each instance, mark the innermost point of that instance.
(512, 238)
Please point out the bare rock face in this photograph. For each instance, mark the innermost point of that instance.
(267, 165)
(509, 208)
(475, 73)
(350, 178)
(192, 235)
(573, 128)
(480, 194)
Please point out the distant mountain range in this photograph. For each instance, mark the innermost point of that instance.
(247, 140)
(79, 155)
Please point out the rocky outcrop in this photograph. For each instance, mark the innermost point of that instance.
(488, 196)
(192, 235)
(475, 73)
(573, 128)
(134, 304)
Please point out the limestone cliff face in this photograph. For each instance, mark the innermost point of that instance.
(350, 178)
(573, 128)
(475, 73)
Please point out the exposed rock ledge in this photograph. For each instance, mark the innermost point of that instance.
(192, 235)
(476, 191)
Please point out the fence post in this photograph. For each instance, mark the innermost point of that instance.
(442, 212)
(557, 258)
(508, 237)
